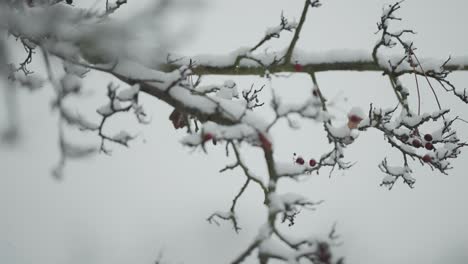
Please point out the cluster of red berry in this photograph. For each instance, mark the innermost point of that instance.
(299, 160)
(416, 141)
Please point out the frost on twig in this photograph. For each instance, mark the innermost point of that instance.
(69, 84)
(113, 6)
(407, 133)
(123, 100)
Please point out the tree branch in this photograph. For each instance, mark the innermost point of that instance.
(356, 64)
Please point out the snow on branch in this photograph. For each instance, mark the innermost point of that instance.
(405, 133)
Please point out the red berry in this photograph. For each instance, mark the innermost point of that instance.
(428, 137)
(429, 146)
(355, 119)
(416, 143)
(298, 67)
(404, 138)
(312, 162)
(207, 136)
(427, 158)
(300, 161)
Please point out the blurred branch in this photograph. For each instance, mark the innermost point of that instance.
(347, 65)
(292, 45)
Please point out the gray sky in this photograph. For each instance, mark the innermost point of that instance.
(157, 194)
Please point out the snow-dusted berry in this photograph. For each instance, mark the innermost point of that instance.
(312, 162)
(207, 136)
(427, 158)
(416, 143)
(355, 116)
(404, 137)
(429, 146)
(355, 119)
(428, 137)
(300, 161)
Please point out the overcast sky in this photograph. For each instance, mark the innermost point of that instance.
(156, 195)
